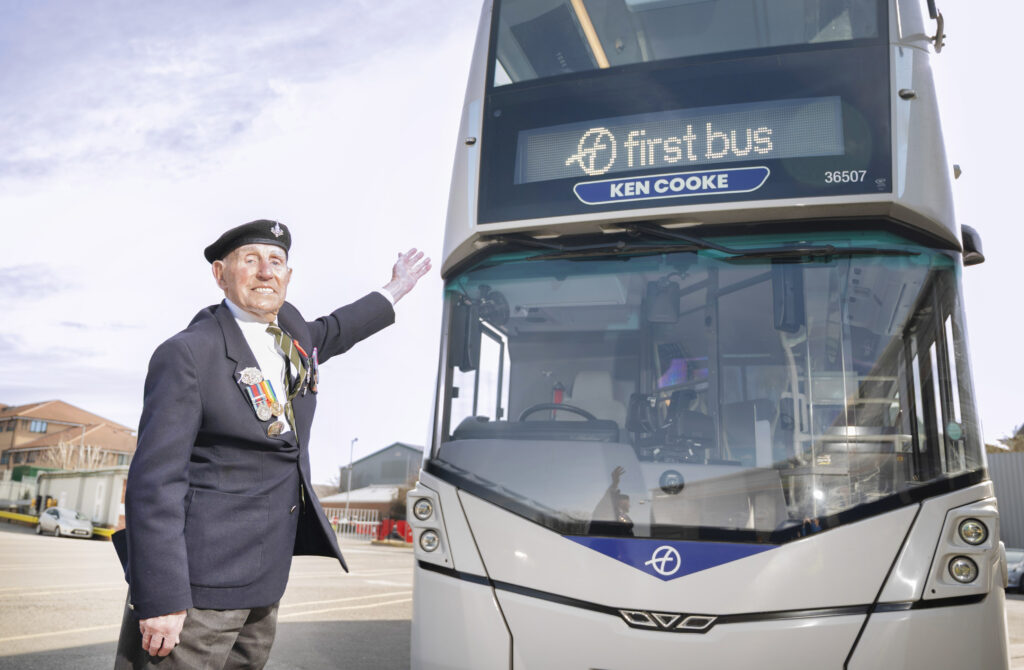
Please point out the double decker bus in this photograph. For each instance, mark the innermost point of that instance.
(704, 397)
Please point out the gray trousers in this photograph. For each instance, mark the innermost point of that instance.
(210, 640)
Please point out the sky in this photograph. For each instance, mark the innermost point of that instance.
(133, 133)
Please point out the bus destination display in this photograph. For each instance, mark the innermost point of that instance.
(681, 139)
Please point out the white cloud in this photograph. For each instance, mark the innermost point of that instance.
(349, 126)
(135, 133)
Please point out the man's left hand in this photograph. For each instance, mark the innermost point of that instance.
(407, 271)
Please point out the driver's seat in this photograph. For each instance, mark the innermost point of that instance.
(592, 390)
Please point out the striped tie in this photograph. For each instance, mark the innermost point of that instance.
(286, 347)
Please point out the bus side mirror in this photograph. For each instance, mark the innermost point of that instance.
(972, 246)
(788, 297)
(465, 338)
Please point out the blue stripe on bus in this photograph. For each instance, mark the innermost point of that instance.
(674, 185)
(666, 559)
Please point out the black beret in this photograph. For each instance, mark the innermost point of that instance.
(263, 231)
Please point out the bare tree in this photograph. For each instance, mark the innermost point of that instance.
(1011, 443)
(91, 456)
(62, 455)
(68, 455)
(1016, 441)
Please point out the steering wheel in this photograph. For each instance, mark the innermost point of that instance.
(540, 407)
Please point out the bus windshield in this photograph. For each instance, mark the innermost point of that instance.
(545, 38)
(678, 392)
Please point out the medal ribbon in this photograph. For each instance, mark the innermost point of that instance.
(286, 346)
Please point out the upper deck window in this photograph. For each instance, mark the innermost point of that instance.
(545, 38)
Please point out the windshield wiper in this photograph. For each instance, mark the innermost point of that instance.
(781, 251)
(644, 240)
(561, 250)
(533, 243)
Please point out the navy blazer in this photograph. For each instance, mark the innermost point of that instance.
(214, 507)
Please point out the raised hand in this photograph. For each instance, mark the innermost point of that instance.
(408, 270)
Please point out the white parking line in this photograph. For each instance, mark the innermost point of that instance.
(79, 565)
(72, 631)
(345, 600)
(385, 582)
(339, 609)
(351, 575)
(83, 585)
(62, 591)
(58, 633)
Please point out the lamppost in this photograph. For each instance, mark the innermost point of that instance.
(348, 487)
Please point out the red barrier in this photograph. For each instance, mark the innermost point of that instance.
(392, 529)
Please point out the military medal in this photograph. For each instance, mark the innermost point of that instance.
(275, 429)
(264, 400)
(314, 373)
(250, 376)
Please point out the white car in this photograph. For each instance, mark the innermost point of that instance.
(66, 522)
(1015, 568)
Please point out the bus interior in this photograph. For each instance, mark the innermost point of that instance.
(686, 392)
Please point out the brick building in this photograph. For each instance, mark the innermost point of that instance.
(56, 434)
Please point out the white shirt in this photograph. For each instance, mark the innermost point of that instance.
(270, 360)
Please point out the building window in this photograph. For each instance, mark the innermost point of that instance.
(11, 424)
(37, 427)
(122, 459)
(18, 456)
(4, 458)
(30, 457)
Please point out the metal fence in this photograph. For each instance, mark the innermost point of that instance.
(360, 524)
(13, 492)
(1007, 472)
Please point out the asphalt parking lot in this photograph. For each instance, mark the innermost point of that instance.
(61, 602)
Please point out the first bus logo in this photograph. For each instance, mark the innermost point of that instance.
(665, 560)
(596, 152)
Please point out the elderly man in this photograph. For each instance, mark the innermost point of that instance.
(219, 497)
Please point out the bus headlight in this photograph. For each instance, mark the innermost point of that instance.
(973, 532)
(429, 540)
(423, 509)
(961, 568)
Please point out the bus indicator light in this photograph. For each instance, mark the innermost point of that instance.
(963, 569)
(429, 541)
(973, 532)
(423, 509)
